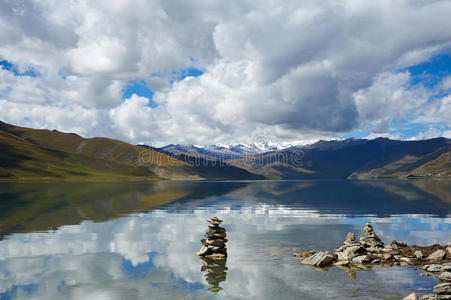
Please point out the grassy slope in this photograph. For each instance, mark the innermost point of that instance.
(21, 159)
(439, 167)
(104, 148)
(161, 163)
(98, 147)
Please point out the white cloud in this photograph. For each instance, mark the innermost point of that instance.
(289, 70)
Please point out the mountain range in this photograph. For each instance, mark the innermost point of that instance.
(30, 154)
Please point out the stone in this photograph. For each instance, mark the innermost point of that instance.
(412, 296)
(418, 254)
(446, 267)
(434, 268)
(216, 235)
(443, 297)
(319, 259)
(445, 276)
(215, 230)
(430, 297)
(350, 237)
(448, 250)
(217, 243)
(215, 221)
(406, 259)
(437, 255)
(361, 259)
(442, 288)
(374, 249)
(387, 256)
(349, 253)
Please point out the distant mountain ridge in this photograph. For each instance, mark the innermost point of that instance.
(349, 158)
(355, 158)
(28, 153)
(35, 150)
(222, 152)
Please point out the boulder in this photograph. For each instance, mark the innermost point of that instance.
(361, 259)
(349, 253)
(446, 267)
(430, 297)
(412, 296)
(445, 276)
(319, 259)
(418, 254)
(434, 268)
(437, 255)
(442, 288)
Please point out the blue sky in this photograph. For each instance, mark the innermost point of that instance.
(140, 87)
(428, 74)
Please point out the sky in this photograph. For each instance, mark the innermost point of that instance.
(208, 72)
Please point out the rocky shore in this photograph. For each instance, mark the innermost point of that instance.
(215, 240)
(369, 251)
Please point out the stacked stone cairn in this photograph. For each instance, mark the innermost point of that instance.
(214, 243)
(369, 251)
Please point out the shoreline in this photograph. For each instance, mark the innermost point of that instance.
(370, 251)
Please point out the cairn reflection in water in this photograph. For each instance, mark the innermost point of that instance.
(216, 272)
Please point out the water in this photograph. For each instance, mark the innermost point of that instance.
(137, 240)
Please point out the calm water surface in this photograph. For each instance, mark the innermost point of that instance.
(138, 240)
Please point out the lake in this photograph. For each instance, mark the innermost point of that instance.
(137, 240)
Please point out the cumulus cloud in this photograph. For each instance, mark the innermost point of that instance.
(291, 71)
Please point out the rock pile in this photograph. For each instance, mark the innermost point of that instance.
(443, 273)
(214, 243)
(370, 250)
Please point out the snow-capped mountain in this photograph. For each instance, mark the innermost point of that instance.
(224, 152)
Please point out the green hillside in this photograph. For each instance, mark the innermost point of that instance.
(21, 159)
(439, 168)
(97, 153)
